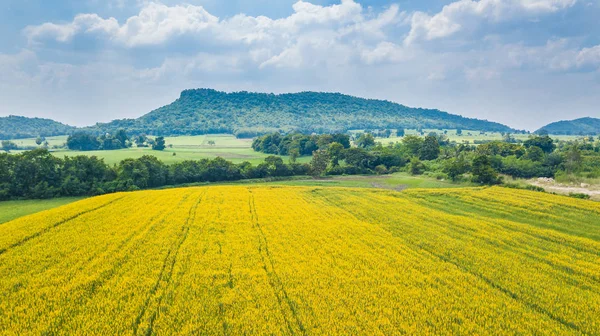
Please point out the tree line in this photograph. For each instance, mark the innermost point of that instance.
(86, 141)
(434, 154)
(37, 174)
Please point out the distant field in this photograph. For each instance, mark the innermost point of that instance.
(14, 209)
(229, 147)
(472, 136)
(52, 141)
(305, 260)
(183, 148)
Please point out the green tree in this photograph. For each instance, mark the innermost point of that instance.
(82, 141)
(456, 167)
(294, 153)
(573, 159)
(159, 144)
(141, 140)
(366, 140)
(430, 149)
(7, 146)
(336, 153)
(413, 144)
(122, 137)
(483, 172)
(416, 167)
(359, 158)
(544, 142)
(535, 153)
(319, 162)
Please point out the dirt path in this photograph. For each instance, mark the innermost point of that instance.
(552, 186)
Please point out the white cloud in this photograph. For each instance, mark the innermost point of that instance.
(589, 57)
(143, 61)
(157, 23)
(82, 23)
(387, 52)
(462, 14)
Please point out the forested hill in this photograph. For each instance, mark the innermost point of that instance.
(15, 127)
(246, 114)
(583, 126)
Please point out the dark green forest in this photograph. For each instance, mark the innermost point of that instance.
(247, 114)
(583, 126)
(14, 127)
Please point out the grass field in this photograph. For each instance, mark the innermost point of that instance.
(183, 148)
(228, 147)
(305, 260)
(52, 141)
(10, 210)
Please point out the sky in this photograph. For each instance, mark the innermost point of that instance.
(524, 63)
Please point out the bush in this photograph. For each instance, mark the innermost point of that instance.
(523, 187)
(580, 196)
(416, 167)
(381, 170)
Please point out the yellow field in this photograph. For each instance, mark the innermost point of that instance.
(304, 260)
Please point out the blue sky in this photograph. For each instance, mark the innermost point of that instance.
(524, 63)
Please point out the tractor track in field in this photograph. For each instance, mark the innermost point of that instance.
(505, 291)
(108, 274)
(166, 272)
(274, 279)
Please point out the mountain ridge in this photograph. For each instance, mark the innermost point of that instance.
(18, 127)
(206, 111)
(580, 126)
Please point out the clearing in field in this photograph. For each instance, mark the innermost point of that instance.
(304, 260)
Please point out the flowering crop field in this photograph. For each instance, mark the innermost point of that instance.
(304, 260)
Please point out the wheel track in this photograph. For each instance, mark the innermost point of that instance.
(166, 273)
(110, 273)
(274, 279)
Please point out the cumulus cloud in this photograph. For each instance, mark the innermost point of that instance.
(589, 57)
(379, 52)
(156, 23)
(462, 14)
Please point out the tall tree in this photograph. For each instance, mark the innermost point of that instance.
(430, 149)
(159, 144)
(483, 172)
(365, 140)
(319, 162)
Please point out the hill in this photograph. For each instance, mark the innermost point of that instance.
(15, 127)
(206, 111)
(583, 126)
(304, 260)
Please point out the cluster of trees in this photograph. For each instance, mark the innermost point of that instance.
(84, 141)
(8, 145)
(540, 156)
(39, 174)
(297, 144)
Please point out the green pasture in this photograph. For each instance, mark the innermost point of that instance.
(10, 210)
